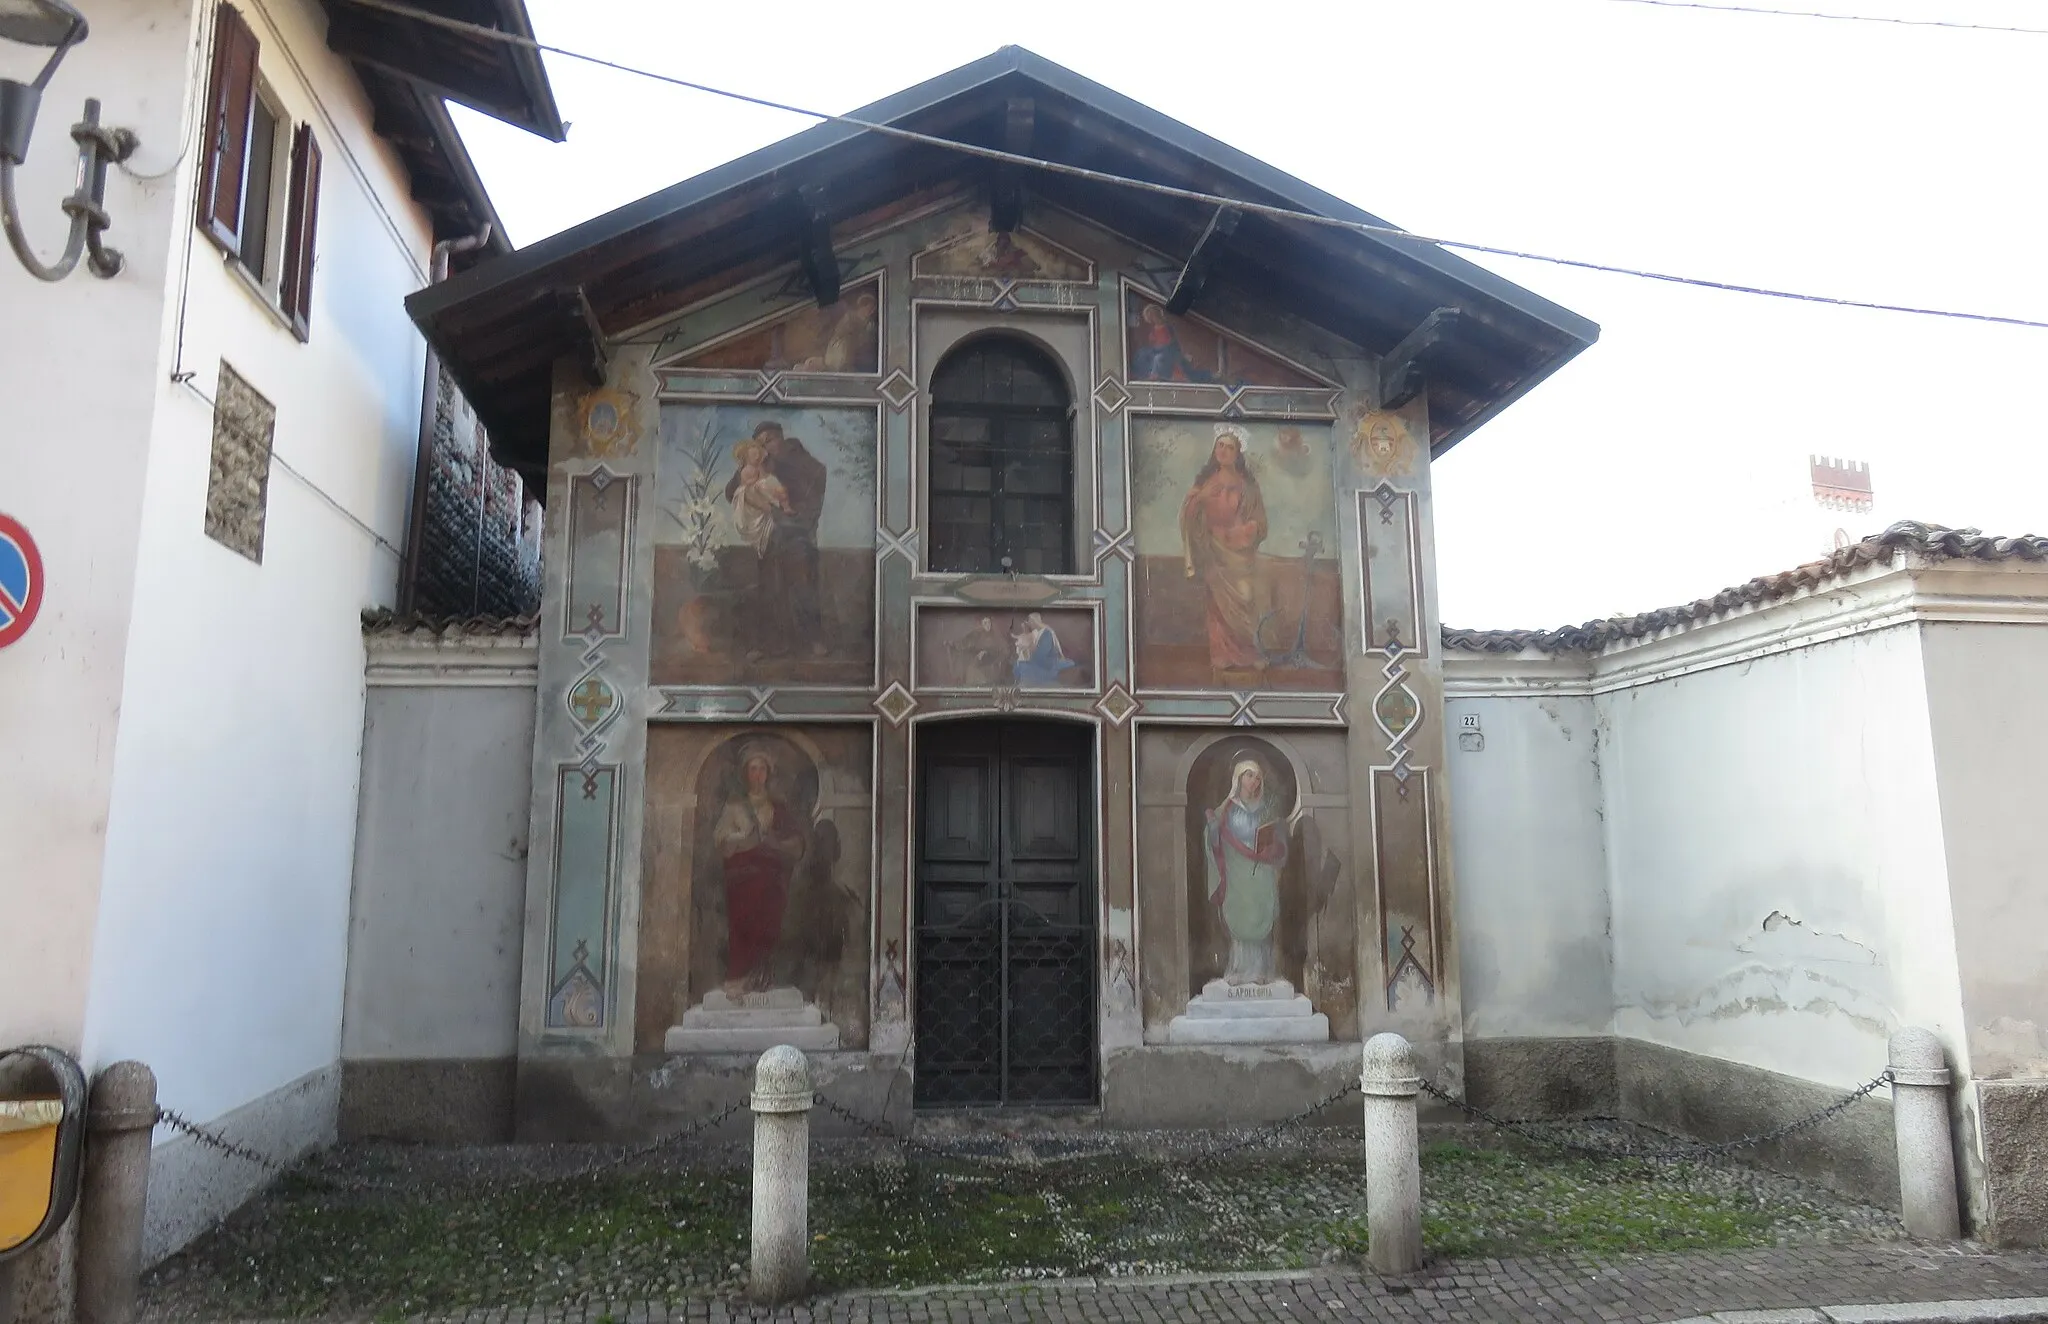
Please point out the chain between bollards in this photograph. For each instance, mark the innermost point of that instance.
(1699, 1149)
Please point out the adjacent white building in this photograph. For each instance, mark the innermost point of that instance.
(215, 450)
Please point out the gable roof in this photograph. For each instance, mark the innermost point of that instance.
(499, 326)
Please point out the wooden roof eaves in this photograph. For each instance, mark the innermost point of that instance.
(462, 167)
(1008, 63)
(494, 292)
(522, 94)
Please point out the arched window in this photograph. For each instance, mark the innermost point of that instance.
(1001, 471)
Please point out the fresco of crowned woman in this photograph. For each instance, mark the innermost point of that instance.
(1238, 582)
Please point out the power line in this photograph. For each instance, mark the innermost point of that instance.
(1838, 18)
(1190, 195)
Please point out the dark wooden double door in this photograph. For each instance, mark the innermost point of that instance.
(1006, 968)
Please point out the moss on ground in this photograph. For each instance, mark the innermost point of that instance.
(431, 1243)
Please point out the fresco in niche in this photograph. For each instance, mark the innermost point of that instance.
(1247, 908)
(764, 558)
(1238, 582)
(845, 337)
(966, 648)
(753, 926)
(1161, 347)
(971, 249)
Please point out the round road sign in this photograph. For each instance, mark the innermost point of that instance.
(21, 580)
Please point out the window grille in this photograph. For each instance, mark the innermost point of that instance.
(1001, 472)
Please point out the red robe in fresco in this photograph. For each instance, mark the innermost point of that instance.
(760, 842)
(1222, 523)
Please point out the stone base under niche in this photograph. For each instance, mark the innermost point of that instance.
(1269, 1013)
(752, 1023)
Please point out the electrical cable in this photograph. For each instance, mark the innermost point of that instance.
(1838, 18)
(314, 487)
(1190, 195)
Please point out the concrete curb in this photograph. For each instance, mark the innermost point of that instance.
(2012, 1310)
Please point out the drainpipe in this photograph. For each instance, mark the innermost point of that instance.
(430, 401)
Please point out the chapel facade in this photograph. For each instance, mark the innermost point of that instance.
(989, 634)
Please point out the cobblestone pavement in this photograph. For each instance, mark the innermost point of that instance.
(1631, 1289)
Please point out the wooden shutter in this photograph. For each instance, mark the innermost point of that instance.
(229, 95)
(295, 291)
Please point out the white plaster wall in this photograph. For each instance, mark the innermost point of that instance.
(79, 367)
(1988, 689)
(1532, 904)
(1776, 850)
(221, 944)
(440, 878)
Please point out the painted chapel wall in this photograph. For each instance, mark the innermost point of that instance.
(738, 534)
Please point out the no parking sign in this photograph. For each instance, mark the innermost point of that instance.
(21, 580)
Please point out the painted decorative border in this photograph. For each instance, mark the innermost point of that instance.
(1401, 789)
(1386, 507)
(594, 609)
(579, 955)
(1245, 707)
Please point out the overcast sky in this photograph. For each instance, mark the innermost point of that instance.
(1862, 160)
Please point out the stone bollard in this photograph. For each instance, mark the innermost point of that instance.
(115, 1193)
(1920, 1126)
(782, 1176)
(1393, 1175)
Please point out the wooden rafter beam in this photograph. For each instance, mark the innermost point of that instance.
(814, 245)
(585, 334)
(434, 191)
(1006, 194)
(1194, 274)
(1402, 368)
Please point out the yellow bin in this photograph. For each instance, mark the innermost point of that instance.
(28, 1161)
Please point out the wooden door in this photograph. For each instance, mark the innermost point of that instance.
(1005, 948)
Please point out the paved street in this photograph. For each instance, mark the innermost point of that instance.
(1638, 1289)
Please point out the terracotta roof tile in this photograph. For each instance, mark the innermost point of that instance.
(1927, 540)
(385, 623)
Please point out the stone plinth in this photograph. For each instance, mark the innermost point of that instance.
(1271, 1013)
(752, 1023)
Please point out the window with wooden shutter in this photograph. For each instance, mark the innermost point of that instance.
(230, 94)
(295, 293)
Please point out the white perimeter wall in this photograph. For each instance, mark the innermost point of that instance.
(439, 916)
(1730, 840)
(1988, 684)
(1775, 844)
(1534, 955)
(223, 925)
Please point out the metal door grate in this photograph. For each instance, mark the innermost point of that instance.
(1005, 1009)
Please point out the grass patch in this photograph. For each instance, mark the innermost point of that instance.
(444, 1244)
(1480, 1202)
